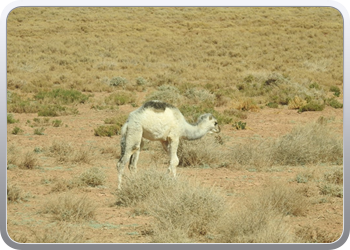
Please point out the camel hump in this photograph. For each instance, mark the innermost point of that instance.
(157, 106)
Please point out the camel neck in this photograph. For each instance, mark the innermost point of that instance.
(193, 132)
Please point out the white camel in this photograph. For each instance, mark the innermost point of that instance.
(159, 121)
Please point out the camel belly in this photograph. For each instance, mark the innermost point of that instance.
(155, 134)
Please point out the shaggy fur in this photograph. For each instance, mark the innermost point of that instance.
(159, 121)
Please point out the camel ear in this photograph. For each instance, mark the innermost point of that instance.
(210, 117)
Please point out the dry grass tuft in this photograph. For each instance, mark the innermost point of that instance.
(14, 194)
(207, 151)
(71, 208)
(92, 177)
(309, 144)
(64, 152)
(186, 209)
(59, 233)
(261, 219)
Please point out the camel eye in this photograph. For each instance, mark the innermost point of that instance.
(216, 123)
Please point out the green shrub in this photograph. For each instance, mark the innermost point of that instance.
(118, 81)
(120, 98)
(335, 90)
(107, 130)
(311, 106)
(39, 131)
(314, 86)
(56, 123)
(239, 125)
(16, 131)
(51, 110)
(334, 103)
(17, 104)
(11, 119)
(141, 81)
(272, 105)
(61, 96)
(192, 112)
(166, 93)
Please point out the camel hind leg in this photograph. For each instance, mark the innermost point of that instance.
(131, 145)
(135, 157)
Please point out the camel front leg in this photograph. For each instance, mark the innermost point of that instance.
(174, 160)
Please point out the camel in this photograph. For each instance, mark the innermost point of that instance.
(159, 121)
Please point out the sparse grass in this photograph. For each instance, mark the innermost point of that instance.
(84, 154)
(70, 208)
(332, 183)
(64, 152)
(308, 234)
(61, 150)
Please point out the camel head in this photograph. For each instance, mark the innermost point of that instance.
(209, 122)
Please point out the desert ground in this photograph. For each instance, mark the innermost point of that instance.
(272, 77)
